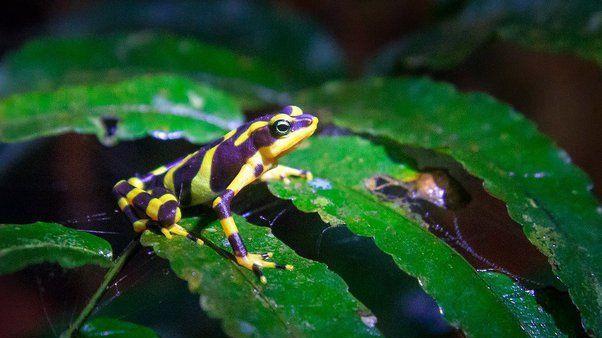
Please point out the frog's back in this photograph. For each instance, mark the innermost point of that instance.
(186, 177)
(201, 176)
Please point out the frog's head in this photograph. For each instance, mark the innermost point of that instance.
(282, 132)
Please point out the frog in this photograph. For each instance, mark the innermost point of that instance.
(213, 175)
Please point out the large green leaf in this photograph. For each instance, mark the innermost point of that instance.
(523, 304)
(27, 244)
(296, 44)
(113, 328)
(162, 106)
(341, 166)
(308, 301)
(46, 63)
(570, 27)
(544, 192)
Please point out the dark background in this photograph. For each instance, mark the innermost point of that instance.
(561, 93)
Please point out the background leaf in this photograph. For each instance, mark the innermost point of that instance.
(47, 63)
(28, 244)
(569, 27)
(113, 328)
(162, 106)
(341, 170)
(309, 301)
(292, 42)
(523, 304)
(544, 192)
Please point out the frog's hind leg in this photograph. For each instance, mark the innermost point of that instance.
(171, 211)
(156, 207)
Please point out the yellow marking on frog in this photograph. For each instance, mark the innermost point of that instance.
(281, 117)
(178, 230)
(200, 187)
(229, 134)
(296, 111)
(140, 225)
(166, 233)
(247, 133)
(152, 210)
(245, 176)
(168, 180)
(122, 203)
(167, 197)
(282, 173)
(229, 226)
(216, 202)
(159, 171)
(132, 194)
(136, 182)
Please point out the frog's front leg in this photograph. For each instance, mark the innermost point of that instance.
(221, 205)
(157, 207)
(282, 173)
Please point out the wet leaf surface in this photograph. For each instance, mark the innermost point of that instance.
(161, 106)
(113, 328)
(308, 301)
(340, 175)
(28, 244)
(523, 304)
(567, 27)
(544, 192)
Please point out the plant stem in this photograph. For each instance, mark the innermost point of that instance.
(109, 276)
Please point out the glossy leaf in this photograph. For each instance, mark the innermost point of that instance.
(46, 63)
(281, 37)
(161, 106)
(341, 168)
(522, 303)
(568, 27)
(544, 192)
(308, 301)
(22, 245)
(113, 328)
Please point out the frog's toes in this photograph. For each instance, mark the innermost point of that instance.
(307, 175)
(166, 233)
(267, 255)
(257, 262)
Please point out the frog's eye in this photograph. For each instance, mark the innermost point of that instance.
(280, 128)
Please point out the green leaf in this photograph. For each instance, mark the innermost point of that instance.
(567, 27)
(28, 244)
(308, 301)
(571, 27)
(161, 106)
(113, 328)
(543, 191)
(46, 63)
(341, 167)
(281, 37)
(534, 319)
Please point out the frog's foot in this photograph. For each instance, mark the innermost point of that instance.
(282, 173)
(257, 262)
(177, 230)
